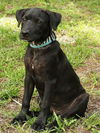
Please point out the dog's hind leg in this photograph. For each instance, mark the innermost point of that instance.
(77, 107)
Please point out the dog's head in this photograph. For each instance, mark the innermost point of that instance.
(36, 23)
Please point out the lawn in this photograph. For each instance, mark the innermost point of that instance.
(79, 35)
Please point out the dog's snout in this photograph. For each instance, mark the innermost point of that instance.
(25, 33)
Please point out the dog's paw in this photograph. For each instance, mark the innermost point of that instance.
(38, 126)
(21, 118)
(52, 125)
(33, 113)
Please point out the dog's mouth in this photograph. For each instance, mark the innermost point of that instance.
(26, 38)
(29, 40)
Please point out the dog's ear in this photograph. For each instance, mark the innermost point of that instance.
(55, 19)
(19, 14)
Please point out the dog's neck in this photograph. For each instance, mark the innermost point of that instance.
(44, 43)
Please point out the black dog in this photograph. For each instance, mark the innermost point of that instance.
(48, 69)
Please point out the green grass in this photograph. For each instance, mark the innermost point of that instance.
(81, 22)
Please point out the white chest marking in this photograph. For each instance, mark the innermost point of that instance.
(32, 66)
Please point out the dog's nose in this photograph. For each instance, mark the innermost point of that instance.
(25, 33)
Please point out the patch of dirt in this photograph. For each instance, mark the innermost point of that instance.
(3, 80)
(63, 38)
(90, 74)
(93, 105)
(82, 130)
(6, 117)
(91, 65)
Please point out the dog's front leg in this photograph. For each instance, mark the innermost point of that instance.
(28, 91)
(45, 107)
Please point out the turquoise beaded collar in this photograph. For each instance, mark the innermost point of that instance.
(48, 41)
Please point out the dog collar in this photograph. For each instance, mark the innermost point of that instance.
(48, 41)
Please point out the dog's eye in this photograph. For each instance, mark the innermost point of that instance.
(40, 21)
(24, 19)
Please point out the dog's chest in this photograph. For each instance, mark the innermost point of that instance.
(37, 65)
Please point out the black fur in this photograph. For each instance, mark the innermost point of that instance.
(49, 70)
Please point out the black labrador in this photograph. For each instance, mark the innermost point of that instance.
(48, 69)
